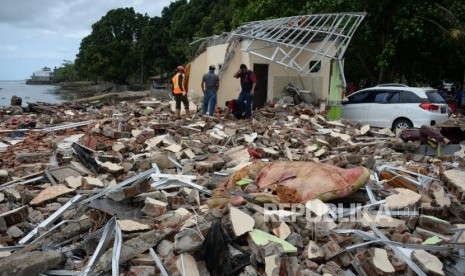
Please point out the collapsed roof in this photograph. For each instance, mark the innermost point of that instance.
(291, 38)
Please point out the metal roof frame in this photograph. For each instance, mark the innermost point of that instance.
(291, 39)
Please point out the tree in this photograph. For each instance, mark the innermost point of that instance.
(452, 27)
(245, 11)
(393, 43)
(112, 51)
(67, 72)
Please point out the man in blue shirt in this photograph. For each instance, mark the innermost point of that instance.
(210, 84)
(248, 83)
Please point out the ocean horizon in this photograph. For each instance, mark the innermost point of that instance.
(29, 93)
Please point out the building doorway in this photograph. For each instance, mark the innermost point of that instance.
(261, 93)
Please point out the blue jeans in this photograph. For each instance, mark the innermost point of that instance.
(245, 97)
(209, 100)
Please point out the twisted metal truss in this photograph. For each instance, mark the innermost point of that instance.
(298, 40)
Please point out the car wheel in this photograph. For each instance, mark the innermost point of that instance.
(402, 124)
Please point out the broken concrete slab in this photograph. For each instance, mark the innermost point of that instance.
(12, 194)
(51, 193)
(241, 222)
(186, 265)
(154, 207)
(404, 198)
(73, 182)
(272, 264)
(15, 216)
(130, 191)
(131, 248)
(128, 225)
(112, 168)
(429, 263)
(381, 261)
(313, 251)
(188, 240)
(89, 183)
(14, 232)
(454, 182)
(282, 231)
(30, 263)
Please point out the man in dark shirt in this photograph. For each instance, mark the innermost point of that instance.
(248, 83)
(235, 108)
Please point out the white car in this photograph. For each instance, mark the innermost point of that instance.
(396, 107)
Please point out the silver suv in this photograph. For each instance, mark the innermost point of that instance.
(396, 107)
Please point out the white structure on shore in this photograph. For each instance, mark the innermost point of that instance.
(44, 76)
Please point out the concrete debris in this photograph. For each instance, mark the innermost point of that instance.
(429, 263)
(404, 199)
(241, 221)
(291, 192)
(127, 225)
(51, 193)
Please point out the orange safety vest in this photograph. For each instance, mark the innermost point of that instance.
(176, 85)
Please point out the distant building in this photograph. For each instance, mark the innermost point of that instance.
(44, 76)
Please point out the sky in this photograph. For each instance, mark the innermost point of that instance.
(43, 33)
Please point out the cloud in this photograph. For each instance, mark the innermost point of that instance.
(53, 29)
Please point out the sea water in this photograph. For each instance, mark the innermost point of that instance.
(29, 93)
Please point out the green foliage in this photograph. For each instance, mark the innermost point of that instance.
(112, 51)
(394, 42)
(409, 40)
(66, 72)
(245, 11)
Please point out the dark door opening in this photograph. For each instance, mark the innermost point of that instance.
(261, 89)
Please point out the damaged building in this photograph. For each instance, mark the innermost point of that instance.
(304, 51)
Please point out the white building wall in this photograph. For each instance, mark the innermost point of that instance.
(199, 66)
(278, 75)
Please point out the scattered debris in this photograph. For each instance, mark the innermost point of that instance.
(87, 189)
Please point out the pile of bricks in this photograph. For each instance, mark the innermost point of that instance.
(91, 189)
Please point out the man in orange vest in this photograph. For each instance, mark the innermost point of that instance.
(180, 93)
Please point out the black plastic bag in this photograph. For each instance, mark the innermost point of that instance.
(222, 258)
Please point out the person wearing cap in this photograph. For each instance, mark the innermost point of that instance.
(210, 84)
(180, 93)
(248, 83)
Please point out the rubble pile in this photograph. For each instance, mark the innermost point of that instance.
(125, 189)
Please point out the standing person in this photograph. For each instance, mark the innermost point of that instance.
(458, 99)
(210, 84)
(180, 93)
(248, 83)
